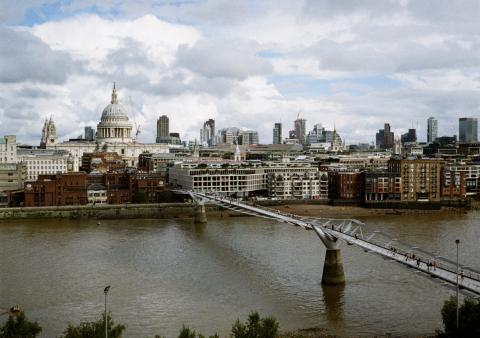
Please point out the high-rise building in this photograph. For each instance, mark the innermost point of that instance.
(277, 133)
(207, 133)
(248, 137)
(409, 137)
(300, 132)
(89, 133)
(163, 129)
(384, 137)
(468, 129)
(432, 129)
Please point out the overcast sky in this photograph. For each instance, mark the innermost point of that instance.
(353, 64)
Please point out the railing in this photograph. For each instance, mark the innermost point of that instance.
(352, 231)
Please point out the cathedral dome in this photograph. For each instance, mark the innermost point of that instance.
(114, 125)
(114, 112)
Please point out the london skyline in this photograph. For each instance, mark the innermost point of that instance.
(247, 65)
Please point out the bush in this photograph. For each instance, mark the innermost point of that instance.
(256, 327)
(469, 319)
(18, 326)
(94, 329)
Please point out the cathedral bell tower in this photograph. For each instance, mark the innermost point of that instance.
(49, 134)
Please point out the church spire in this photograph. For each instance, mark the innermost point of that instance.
(114, 95)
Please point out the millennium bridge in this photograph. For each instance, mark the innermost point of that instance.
(332, 232)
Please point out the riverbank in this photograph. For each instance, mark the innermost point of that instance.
(118, 211)
(319, 210)
(185, 210)
(317, 332)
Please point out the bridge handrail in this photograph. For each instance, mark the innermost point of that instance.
(336, 226)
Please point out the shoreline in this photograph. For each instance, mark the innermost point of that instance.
(185, 210)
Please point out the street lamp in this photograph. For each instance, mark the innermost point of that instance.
(105, 291)
(457, 242)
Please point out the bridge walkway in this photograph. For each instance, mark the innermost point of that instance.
(351, 231)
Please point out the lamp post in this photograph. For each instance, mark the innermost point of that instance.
(457, 242)
(105, 291)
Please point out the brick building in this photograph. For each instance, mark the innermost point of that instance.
(382, 186)
(346, 185)
(421, 178)
(80, 188)
(59, 189)
(454, 183)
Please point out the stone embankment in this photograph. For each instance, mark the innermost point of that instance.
(159, 210)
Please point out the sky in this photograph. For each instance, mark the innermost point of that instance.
(349, 64)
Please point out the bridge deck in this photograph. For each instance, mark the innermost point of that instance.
(445, 270)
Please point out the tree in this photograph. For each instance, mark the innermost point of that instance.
(140, 197)
(469, 318)
(18, 326)
(94, 329)
(256, 327)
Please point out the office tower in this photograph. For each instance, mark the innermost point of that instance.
(468, 131)
(207, 133)
(247, 137)
(384, 138)
(163, 129)
(409, 137)
(89, 133)
(277, 133)
(432, 129)
(300, 132)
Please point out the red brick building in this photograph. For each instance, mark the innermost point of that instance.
(345, 185)
(59, 189)
(72, 188)
(453, 184)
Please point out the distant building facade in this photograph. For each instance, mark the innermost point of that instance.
(89, 133)
(468, 129)
(277, 133)
(8, 149)
(410, 136)
(432, 129)
(207, 133)
(385, 138)
(300, 130)
(163, 129)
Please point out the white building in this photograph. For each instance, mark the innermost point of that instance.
(114, 134)
(97, 194)
(298, 181)
(44, 162)
(8, 149)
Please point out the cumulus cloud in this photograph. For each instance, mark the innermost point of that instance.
(26, 57)
(355, 64)
(231, 59)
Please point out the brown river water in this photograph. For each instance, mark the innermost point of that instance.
(167, 272)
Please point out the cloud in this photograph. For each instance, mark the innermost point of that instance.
(25, 57)
(355, 64)
(228, 59)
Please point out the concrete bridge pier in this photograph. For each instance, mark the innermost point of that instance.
(199, 214)
(333, 273)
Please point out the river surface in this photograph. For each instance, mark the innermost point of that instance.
(167, 272)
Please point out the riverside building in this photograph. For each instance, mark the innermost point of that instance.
(276, 180)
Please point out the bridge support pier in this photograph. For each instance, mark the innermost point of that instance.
(200, 215)
(333, 273)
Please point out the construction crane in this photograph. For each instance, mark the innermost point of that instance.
(137, 125)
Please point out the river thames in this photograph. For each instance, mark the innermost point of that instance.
(167, 272)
